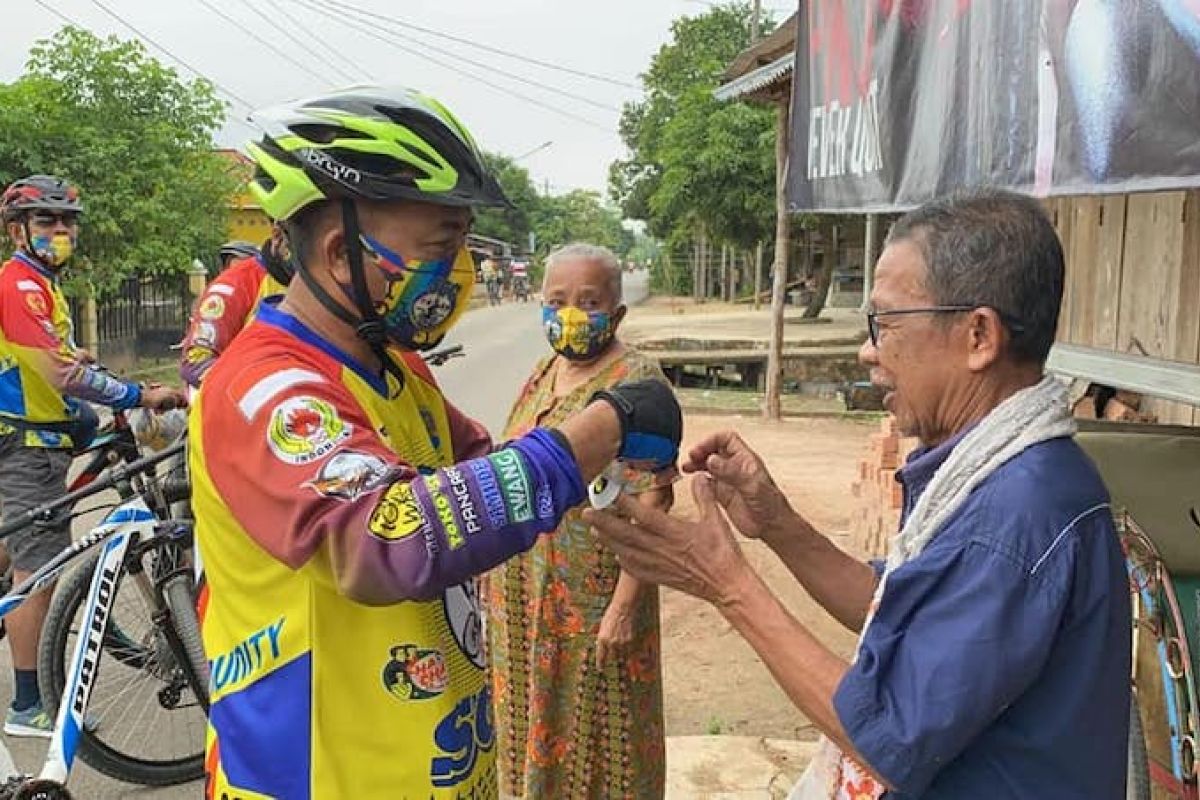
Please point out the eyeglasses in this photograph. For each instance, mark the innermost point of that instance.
(1013, 323)
(48, 218)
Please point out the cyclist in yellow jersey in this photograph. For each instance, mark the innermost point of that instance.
(46, 382)
(229, 302)
(343, 505)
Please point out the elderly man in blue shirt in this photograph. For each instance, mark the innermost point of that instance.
(993, 658)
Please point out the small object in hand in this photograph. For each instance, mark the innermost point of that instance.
(607, 487)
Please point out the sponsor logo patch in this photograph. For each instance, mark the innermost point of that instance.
(415, 673)
(464, 617)
(305, 429)
(457, 483)
(397, 516)
(36, 303)
(206, 334)
(461, 738)
(349, 475)
(211, 307)
(489, 490)
(445, 512)
(514, 484)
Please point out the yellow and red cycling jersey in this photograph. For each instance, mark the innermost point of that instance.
(324, 684)
(226, 306)
(39, 368)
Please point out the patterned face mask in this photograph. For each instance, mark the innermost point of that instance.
(424, 298)
(577, 334)
(54, 251)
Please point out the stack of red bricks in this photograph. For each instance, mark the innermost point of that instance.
(879, 497)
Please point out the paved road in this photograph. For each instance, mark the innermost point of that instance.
(502, 345)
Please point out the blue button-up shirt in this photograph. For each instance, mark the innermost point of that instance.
(997, 664)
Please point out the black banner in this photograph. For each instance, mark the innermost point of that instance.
(897, 101)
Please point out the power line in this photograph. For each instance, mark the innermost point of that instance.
(488, 48)
(361, 27)
(331, 50)
(233, 96)
(284, 30)
(513, 76)
(270, 45)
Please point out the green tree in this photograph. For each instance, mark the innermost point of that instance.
(696, 164)
(579, 216)
(509, 224)
(135, 137)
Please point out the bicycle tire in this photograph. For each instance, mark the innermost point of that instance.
(180, 596)
(152, 661)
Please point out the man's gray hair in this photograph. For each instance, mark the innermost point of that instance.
(996, 249)
(582, 251)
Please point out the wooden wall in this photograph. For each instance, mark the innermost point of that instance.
(1133, 278)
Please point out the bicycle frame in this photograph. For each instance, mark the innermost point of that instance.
(123, 526)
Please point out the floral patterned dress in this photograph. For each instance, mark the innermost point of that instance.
(565, 729)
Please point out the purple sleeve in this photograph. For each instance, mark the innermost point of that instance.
(94, 386)
(432, 532)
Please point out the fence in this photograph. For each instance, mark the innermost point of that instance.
(142, 318)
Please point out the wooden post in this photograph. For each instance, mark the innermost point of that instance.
(696, 269)
(772, 408)
(703, 266)
(758, 254)
(869, 256)
(91, 326)
(197, 275)
(724, 275)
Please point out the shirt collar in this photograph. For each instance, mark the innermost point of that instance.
(270, 313)
(32, 263)
(922, 463)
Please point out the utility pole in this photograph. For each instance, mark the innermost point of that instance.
(754, 18)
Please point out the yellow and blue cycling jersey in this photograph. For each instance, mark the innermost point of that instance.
(339, 538)
(39, 369)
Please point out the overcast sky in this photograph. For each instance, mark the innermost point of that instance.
(610, 38)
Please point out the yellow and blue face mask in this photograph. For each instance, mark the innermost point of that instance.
(53, 251)
(424, 298)
(577, 334)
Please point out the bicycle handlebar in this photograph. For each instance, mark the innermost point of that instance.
(438, 357)
(118, 473)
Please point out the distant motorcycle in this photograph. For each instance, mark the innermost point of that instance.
(521, 288)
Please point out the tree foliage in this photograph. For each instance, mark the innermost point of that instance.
(135, 137)
(554, 220)
(695, 163)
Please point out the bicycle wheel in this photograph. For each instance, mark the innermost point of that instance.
(149, 722)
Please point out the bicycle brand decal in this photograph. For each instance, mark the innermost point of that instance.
(349, 475)
(415, 673)
(305, 429)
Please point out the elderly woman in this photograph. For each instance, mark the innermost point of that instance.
(574, 640)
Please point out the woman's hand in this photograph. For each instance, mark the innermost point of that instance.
(615, 633)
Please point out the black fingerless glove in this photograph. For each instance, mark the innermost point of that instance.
(651, 421)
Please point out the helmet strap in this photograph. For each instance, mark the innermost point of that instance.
(370, 327)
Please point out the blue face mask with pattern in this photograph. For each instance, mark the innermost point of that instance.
(576, 334)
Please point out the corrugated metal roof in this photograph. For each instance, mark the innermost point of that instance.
(759, 79)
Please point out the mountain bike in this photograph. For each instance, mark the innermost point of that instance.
(125, 640)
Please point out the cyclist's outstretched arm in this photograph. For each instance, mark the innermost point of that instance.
(307, 476)
(30, 326)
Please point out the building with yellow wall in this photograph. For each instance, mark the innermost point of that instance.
(247, 222)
